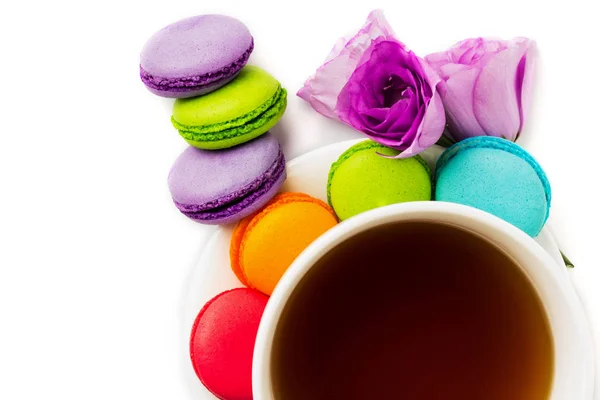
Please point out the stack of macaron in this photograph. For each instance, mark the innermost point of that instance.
(231, 173)
(223, 109)
(263, 246)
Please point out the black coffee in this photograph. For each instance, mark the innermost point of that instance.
(414, 311)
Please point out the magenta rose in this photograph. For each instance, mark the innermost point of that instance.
(486, 86)
(374, 84)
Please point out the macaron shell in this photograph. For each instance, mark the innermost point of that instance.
(200, 176)
(363, 179)
(275, 236)
(234, 249)
(222, 342)
(249, 90)
(494, 176)
(240, 230)
(194, 46)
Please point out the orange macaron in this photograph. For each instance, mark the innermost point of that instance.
(265, 244)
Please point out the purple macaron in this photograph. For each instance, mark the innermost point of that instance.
(195, 56)
(224, 186)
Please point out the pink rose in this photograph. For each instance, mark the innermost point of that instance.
(486, 86)
(374, 84)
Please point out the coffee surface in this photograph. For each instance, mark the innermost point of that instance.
(414, 311)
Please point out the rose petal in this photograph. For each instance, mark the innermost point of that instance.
(446, 71)
(495, 103)
(400, 140)
(438, 60)
(404, 83)
(371, 94)
(399, 118)
(322, 89)
(433, 123)
(457, 51)
(430, 130)
(378, 114)
(402, 115)
(467, 57)
(470, 52)
(525, 81)
(431, 127)
(494, 46)
(431, 77)
(409, 136)
(337, 49)
(458, 100)
(388, 66)
(376, 77)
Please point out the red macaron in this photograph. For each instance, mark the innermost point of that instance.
(222, 342)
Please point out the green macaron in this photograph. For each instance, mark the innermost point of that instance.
(240, 111)
(363, 178)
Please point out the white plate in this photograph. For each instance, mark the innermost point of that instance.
(213, 275)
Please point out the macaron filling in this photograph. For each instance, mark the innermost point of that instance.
(234, 202)
(192, 83)
(246, 123)
(490, 142)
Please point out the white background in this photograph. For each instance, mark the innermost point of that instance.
(93, 255)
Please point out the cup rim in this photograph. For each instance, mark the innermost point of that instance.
(582, 371)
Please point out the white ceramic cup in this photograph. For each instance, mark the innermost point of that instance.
(573, 348)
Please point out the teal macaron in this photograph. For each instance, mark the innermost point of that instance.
(236, 113)
(497, 176)
(366, 176)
